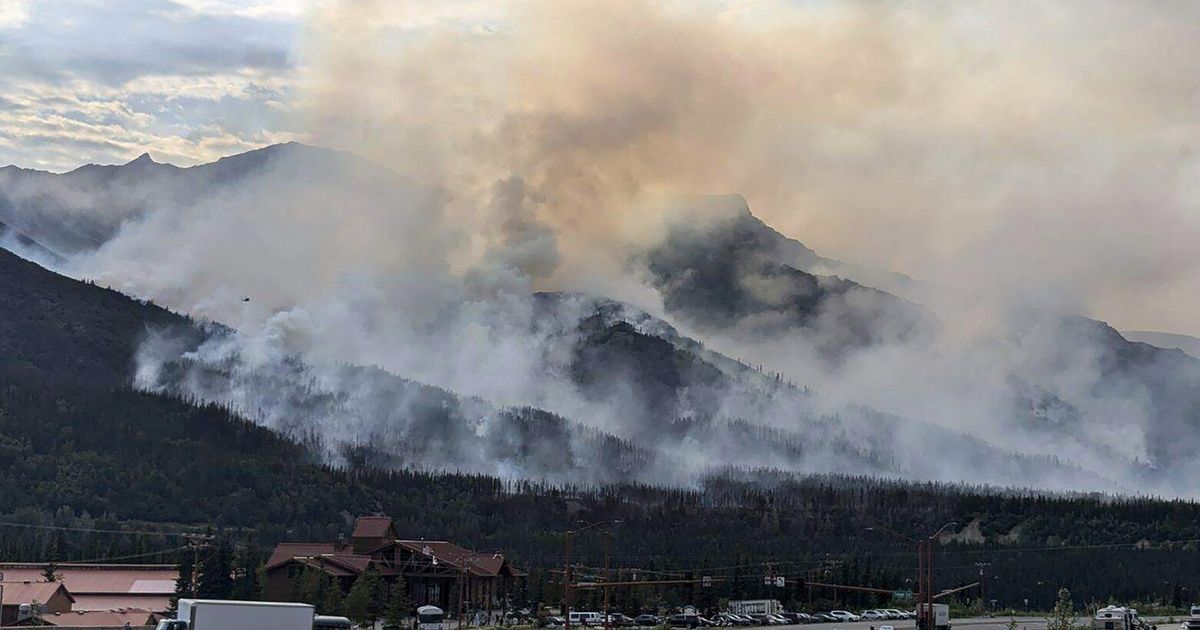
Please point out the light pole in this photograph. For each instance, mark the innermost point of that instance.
(925, 614)
(567, 574)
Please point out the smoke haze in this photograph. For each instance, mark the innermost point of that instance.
(1024, 161)
(1021, 151)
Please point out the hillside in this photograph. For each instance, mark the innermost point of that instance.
(78, 447)
(63, 329)
(474, 373)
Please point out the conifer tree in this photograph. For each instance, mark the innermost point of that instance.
(399, 606)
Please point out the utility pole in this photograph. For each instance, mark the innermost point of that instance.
(925, 616)
(983, 583)
(604, 578)
(567, 580)
(568, 576)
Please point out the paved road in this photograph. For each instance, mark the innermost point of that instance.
(977, 623)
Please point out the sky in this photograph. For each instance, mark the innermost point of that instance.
(1002, 145)
(104, 80)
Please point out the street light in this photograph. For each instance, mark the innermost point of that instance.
(924, 569)
(567, 575)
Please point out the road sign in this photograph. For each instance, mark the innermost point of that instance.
(706, 581)
(766, 580)
(904, 595)
(780, 582)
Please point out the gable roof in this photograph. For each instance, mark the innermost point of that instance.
(101, 618)
(30, 592)
(157, 603)
(286, 552)
(113, 579)
(373, 527)
(483, 564)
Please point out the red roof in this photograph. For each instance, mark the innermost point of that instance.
(286, 552)
(153, 603)
(30, 592)
(486, 564)
(101, 618)
(372, 527)
(340, 563)
(112, 579)
(336, 558)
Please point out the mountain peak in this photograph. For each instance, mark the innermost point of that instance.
(141, 159)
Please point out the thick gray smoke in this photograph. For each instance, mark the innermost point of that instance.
(1019, 159)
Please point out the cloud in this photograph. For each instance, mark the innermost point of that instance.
(182, 119)
(103, 82)
(13, 13)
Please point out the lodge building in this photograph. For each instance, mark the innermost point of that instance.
(435, 572)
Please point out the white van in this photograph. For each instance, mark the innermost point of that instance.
(431, 618)
(587, 619)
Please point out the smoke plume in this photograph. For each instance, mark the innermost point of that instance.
(1025, 161)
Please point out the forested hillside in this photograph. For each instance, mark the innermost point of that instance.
(79, 448)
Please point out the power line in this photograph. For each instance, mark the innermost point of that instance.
(105, 531)
(132, 556)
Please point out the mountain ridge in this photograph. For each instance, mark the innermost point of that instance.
(632, 376)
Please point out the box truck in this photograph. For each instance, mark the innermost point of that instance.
(219, 614)
(941, 616)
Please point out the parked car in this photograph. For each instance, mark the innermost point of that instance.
(824, 617)
(551, 622)
(779, 620)
(844, 615)
(705, 622)
(620, 621)
(647, 620)
(684, 621)
(873, 615)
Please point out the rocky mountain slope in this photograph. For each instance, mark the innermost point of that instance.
(613, 393)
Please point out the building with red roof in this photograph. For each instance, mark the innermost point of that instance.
(37, 597)
(435, 572)
(105, 586)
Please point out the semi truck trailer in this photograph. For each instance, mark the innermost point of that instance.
(219, 614)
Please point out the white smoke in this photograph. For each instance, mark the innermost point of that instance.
(1011, 156)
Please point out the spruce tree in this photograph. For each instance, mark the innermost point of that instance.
(50, 572)
(184, 588)
(246, 585)
(216, 572)
(399, 606)
(333, 603)
(363, 602)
